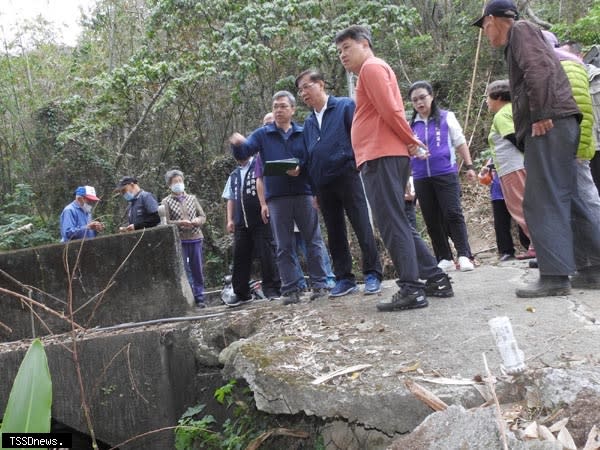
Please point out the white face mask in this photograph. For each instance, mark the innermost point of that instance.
(87, 207)
(177, 188)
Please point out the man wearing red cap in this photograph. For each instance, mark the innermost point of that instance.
(547, 129)
(76, 219)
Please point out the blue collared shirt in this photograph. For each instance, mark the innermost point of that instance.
(73, 223)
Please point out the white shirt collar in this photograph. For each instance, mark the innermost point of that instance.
(319, 114)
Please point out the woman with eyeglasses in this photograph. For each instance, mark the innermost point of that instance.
(436, 181)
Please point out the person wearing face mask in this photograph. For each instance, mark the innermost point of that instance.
(76, 219)
(142, 208)
(184, 211)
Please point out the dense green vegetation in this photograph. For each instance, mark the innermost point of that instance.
(159, 83)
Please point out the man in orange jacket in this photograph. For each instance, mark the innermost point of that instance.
(383, 142)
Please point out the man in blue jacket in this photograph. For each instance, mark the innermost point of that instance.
(288, 196)
(336, 182)
(76, 219)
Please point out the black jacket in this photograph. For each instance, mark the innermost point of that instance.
(142, 211)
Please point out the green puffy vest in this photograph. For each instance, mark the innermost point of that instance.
(594, 76)
(580, 85)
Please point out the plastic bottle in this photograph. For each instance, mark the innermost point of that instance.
(512, 357)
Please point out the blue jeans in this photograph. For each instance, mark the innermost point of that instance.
(300, 249)
(284, 211)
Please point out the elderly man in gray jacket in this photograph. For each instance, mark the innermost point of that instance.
(547, 128)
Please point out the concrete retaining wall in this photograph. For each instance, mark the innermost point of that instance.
(148, 284)
(136, 381)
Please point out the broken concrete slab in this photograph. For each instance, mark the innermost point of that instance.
(116, 279)
(582, 414)
(280, 351)
(552, 388)
(458, 429)
(295, 345)
(339, 435)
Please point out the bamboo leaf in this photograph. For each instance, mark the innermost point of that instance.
(30, 401)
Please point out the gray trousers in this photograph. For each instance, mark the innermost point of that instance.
(586, 189)
(562, 227)
(284, 211)
(385, 180)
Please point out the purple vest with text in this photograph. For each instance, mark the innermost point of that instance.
(442, 160)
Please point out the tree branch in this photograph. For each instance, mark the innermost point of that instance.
(153, 100)
(523, 5)
(535, 19)
(30, 301)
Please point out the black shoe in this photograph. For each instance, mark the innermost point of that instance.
(272, 293)
(405, 298)
(506, 257)
(588, 278)
(289, 298)
(533, 264)
(319, 293)
(439, 286)
(200, 305)
(547, 286)
(235, 300)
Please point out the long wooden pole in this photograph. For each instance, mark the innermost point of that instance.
(473, 76)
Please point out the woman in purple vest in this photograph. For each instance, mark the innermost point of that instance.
(436, 177)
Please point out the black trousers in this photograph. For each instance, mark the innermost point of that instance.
(502, 227)
(346, 196)
(255, 240)
(439, 198)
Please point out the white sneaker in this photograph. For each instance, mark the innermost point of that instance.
(446, 265)
(465, 264)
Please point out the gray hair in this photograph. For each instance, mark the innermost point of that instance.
(172, 174)
(286, 94)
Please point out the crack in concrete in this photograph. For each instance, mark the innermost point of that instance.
(580, 311)
(273, 400)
